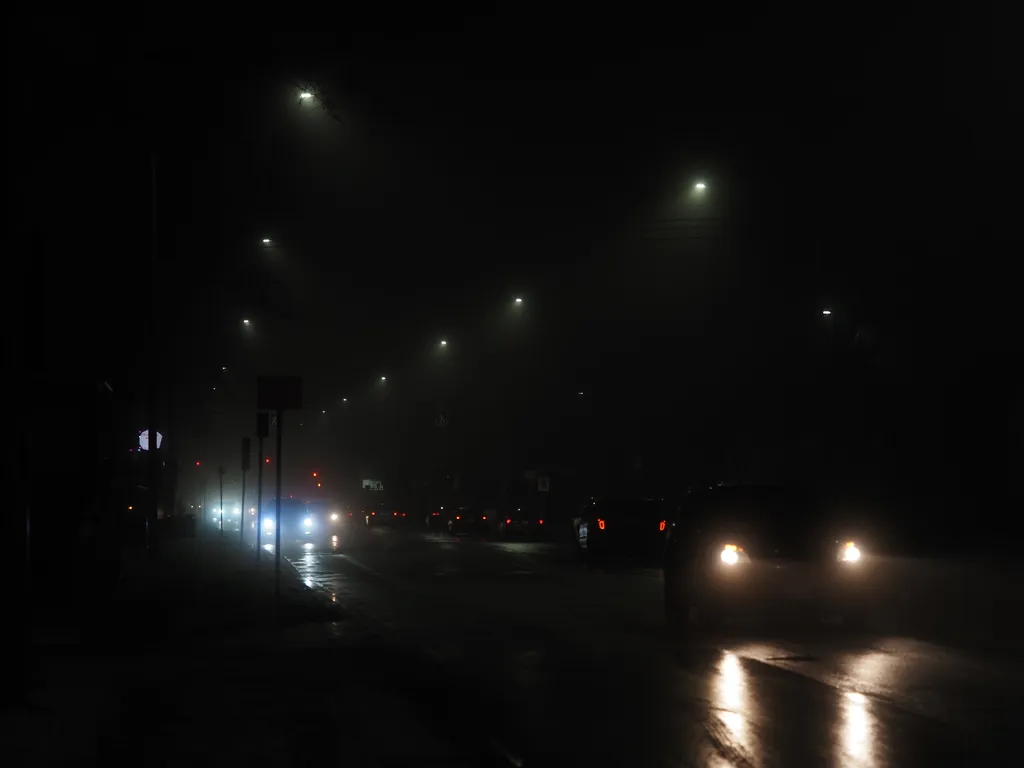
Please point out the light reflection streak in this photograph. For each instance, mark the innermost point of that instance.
(730, 700)
(856, 738)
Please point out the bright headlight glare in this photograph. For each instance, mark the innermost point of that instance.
(334, 516)
(849, 553)
(730, 554)
(308, 522)
(268, 525)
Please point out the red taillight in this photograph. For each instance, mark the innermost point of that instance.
(372, 514)
(483, 517)
(350, 514)
(395, 514)
(508, 521)
(600, 523)
(540, 522)
(661, 526)
(458, 517)
(436, 514)
(403, 514)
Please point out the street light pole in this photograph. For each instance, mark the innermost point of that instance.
(220, 472)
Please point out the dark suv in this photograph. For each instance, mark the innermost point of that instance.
(760, 553)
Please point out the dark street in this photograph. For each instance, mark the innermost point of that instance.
(486, 387)
(574, 664)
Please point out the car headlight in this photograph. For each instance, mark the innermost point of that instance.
(733, 554)
(849, 553)
(334, 517)
(307, 523)
(268, 525)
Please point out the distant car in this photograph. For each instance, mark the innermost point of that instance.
(437, 518)
(520, 522)
(750, 553)
(381, 515)
(623, 526)
(471, 520)
(310, 525)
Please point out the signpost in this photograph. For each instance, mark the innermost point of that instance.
(245, 468)
(278, 394)
(262, 430)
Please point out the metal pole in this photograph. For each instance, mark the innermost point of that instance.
(221, 478)
(241, 517)
(259, 500)
(152, 457)
(277, 523)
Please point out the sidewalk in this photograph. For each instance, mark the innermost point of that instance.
(193, 665)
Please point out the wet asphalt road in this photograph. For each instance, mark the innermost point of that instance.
(550, 662)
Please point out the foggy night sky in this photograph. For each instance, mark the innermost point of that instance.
(473, 161)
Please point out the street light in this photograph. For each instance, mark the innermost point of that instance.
(266, 241)
(383, 378)
(826, 311)
(245, 322)
(344, 399)
(223, 367)
(700, 186)
(444, 343)
(305, 95)
(518, 300)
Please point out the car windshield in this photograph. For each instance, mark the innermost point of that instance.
(754, 507)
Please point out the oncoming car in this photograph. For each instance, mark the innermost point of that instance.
(310, 525)
(746, 554)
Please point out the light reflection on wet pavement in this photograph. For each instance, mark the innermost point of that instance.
(580, 669)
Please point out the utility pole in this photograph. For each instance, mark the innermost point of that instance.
(153, 459)
(220, 474)
(262, 430)
(245, 468)
(277, 522)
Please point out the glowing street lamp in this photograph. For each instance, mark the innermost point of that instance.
(826, 311)
(519, 300)
(700, 186)
(245, 322)
(305, 95)
(266, 241)
(444, 343)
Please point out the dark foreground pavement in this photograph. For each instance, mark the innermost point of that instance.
(573, 666)
(194, 663)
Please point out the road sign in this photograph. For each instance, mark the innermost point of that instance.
(262, 425)
(246, 450)
(442, 419)
(544, 484)
(144, 440)
(279, 393)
